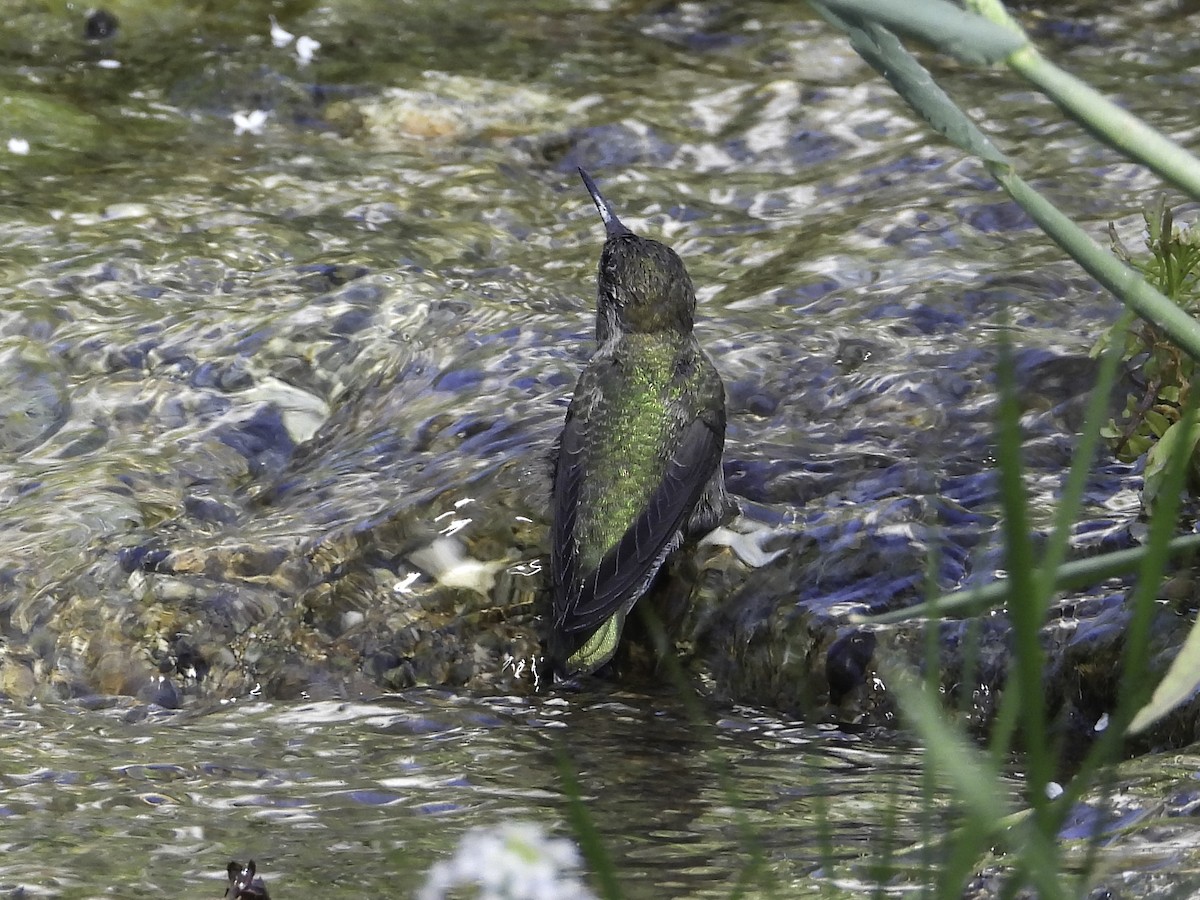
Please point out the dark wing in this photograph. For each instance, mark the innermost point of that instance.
(584, 603)
(564, 556)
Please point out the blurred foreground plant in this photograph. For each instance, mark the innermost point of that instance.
(1031, 849)
(512, 861)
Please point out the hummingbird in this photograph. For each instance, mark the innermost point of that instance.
(638, 465)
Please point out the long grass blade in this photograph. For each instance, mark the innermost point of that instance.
(1070, 576)
(1029, 599)
(976, 782)
(1180, 682)
(586, 833)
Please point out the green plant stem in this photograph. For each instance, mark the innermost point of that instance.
(1123, 281)
(1115, 126)
(586, 833)
(964, 35)
(879, 47)
(1071, 502)
(1075, 574)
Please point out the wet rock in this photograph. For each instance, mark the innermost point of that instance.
(34, 402)
(610, 147)
(450, 107)
(847, 662)
(17, 680)
(262, 438)
(361, 560)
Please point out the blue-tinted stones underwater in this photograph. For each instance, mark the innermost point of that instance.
(373, 557)
(34, 402)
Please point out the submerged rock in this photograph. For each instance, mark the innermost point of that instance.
(323, 506)
(404, 543)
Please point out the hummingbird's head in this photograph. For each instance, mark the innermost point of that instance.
(643, 286)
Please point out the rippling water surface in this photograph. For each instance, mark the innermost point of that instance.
(400, 253)
(361, 798)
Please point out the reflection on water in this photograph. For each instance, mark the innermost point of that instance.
(361, 799)
(365, 797)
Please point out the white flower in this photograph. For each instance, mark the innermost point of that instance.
(19, 146)
(515, 861)
(280, 37)
(249, 122)
(306, 49)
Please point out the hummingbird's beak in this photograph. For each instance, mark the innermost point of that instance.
(612, 225)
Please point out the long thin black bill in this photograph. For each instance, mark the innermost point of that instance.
(612, 225)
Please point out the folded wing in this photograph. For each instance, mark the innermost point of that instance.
(584, 600)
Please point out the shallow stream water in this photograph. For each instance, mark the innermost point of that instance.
(359, 799)
(186, 297)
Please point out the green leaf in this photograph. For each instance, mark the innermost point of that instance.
(1158, 423)
(1138, 444)
(1180, 682)
(1173, 440)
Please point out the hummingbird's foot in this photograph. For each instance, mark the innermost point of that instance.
(747, 539)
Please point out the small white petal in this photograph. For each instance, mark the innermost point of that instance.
(1054, 790)
(280, 37)
(306, 49)
(19, 146)
(404, 585)
(108, 63)
(746, 539)
(1101, 723)
(249, 123)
